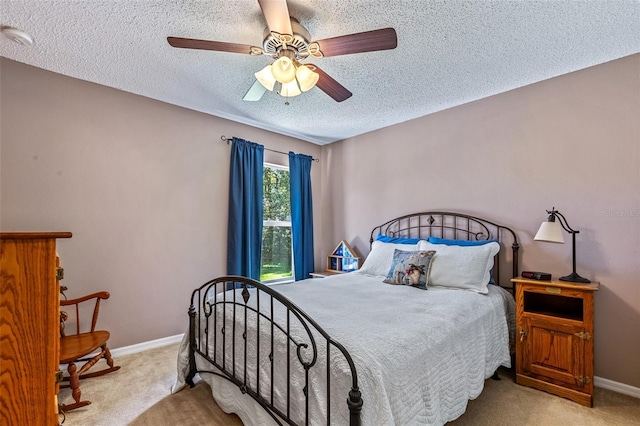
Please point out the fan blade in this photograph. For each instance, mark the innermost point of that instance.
(255, 92)
(276, 14)
(368, 41)
(329, 86)
(220, 46)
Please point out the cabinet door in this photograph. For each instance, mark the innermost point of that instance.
(554, 350)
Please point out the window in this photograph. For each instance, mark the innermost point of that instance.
(277, 256)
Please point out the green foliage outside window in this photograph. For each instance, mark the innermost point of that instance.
(276, 235)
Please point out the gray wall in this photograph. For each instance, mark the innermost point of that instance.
(572, 142)
(142, 185)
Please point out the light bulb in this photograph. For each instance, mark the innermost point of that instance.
(290, 89)
(283, 70)
(265, 77)
(306, 78)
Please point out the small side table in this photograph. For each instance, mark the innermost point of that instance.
(554, 340)
(324, 274)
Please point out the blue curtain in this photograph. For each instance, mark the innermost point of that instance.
(244, 239)
(301, 214)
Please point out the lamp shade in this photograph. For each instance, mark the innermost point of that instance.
(283, 70)
(306, 78)
(265, 77)
(290, 89)
(550, 232)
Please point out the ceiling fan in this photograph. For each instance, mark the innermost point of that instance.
(288, 43)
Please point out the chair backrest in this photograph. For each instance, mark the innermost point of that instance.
(79, 312)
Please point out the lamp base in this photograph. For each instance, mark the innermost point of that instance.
(574, 278)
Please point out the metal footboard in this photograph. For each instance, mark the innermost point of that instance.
(228, 328)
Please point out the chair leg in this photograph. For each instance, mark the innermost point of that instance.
(103, 354)
(107, 355)
(74, 384)
(75, 375)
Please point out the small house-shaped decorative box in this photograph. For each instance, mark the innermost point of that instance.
(343, 259)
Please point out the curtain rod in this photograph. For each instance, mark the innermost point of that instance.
(223, 138)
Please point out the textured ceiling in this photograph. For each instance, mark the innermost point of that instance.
(448, 53)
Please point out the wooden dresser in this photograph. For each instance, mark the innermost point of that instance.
(29, 327)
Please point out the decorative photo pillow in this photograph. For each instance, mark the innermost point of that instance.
(410, 268)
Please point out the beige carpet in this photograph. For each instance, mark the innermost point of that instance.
(196, 407)
(139, 395)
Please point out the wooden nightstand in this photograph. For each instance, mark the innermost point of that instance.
(323, 274)
(554, 337)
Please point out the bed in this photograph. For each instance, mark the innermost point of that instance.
(354, 349)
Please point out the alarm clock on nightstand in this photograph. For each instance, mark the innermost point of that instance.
(540, 276)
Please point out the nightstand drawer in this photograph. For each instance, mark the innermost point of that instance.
(553, 302)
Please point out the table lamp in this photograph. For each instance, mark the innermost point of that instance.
(551, 232)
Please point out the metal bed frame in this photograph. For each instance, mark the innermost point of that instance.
(455, 226)
(213, 304)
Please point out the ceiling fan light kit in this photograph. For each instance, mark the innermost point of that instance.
(287, 42)
(266, 78)
(294, 77)
(289, 89)
(306, 78)
(283, 70)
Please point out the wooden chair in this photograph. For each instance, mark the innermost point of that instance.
(77, 347)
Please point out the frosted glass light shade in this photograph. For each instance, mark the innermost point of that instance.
(550, 232)
(290, 89)
(265, 77)
(283, 70)
(306, 78)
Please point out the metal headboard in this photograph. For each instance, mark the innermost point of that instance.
(451, 225)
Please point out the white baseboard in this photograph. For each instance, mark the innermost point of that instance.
(616, 386)
(152, 344)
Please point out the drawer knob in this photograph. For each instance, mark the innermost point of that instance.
(523, 334)
(583, 335)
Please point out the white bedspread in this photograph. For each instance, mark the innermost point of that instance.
(420, 355)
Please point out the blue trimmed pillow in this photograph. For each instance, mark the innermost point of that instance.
(465, 243)
(410, 268)
(461, 267)
(435, 240)
(378, 261)
(397, 240)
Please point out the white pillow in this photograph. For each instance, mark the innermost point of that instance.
(379, 260)
(465, 267)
